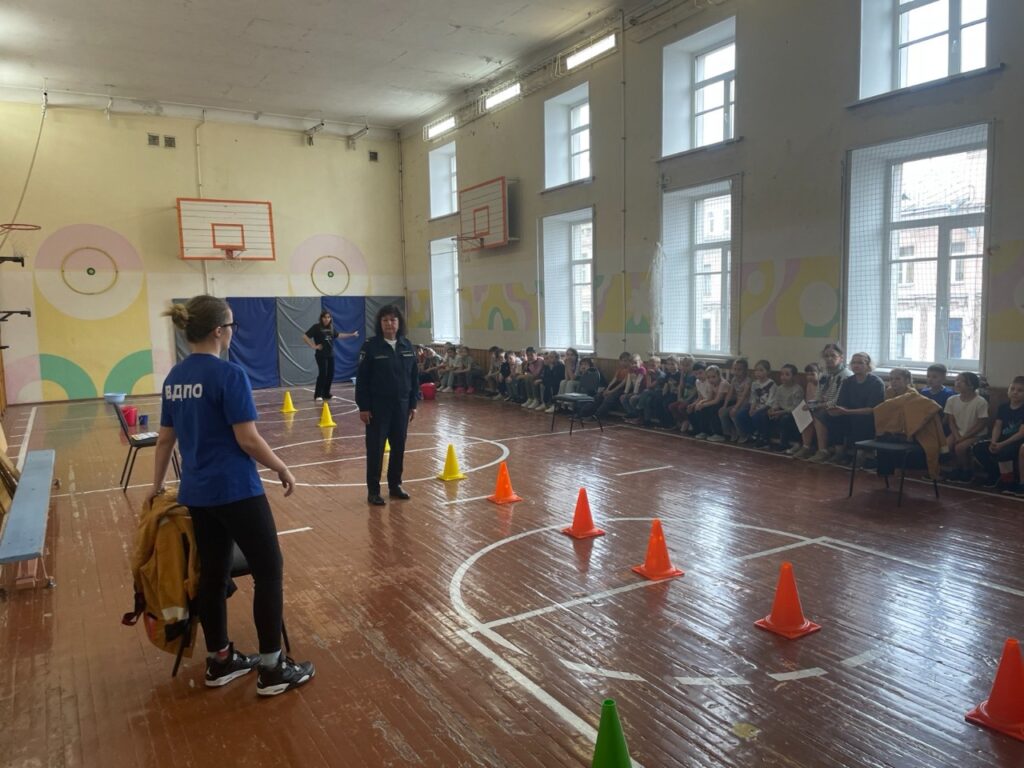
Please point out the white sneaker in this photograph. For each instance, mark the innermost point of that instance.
(794, 449)
(539, 406)
(528, 404)
(549, 409)
(716, 438)
(317, 399)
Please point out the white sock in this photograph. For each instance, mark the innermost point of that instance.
(269, 660)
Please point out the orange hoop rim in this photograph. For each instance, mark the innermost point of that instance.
(16, 227)
(232, 253)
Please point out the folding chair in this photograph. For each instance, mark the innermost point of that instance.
(900, 450)
(239, 568)
(136, 442)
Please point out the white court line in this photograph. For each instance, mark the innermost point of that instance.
(25, 439)
(294, 530)
(462, 501)
(586, 669)
(800, 674)
(845, 546)
(641, 471)
(564, 606)
(783, 548)
(712, 681)
(863, 658)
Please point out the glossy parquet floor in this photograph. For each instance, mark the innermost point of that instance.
(448, 631)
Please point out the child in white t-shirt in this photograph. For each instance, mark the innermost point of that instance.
(966, 417)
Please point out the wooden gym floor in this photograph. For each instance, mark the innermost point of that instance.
(449, 631)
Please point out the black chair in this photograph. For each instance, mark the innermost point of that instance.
(572, 402)
(136, 442)
(900, 450)
(239, 568)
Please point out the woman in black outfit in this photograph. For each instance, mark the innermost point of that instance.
(320, 337)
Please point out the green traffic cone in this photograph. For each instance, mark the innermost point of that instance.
(611, 750)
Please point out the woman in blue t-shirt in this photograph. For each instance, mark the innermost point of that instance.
(208, 410)
(320, 338)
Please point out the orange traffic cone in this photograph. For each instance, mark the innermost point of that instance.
(656, 564)
(582, 522)
(1003, 710)
(503, 493)
(787, 617)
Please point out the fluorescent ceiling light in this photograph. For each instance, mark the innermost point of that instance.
(500, 97)
(440, 127)
(590, 52)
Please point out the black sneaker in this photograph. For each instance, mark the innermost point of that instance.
(220, 673)
(286, 675)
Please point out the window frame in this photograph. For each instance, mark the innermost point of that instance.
(558, 137)
(573, 133)
(729, 249)
(454, 253)
(442, 181)
(728, 80)
(572, 221)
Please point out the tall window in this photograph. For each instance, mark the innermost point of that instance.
(699, 89)
(916, 249)
(567, 137)
(697, 239)
(444, 290)
(568, 268)
(714, 95)
(908, 42)
(444, 183)
(579, 141)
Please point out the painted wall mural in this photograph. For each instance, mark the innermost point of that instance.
(502, 307)
(638, 303)
(329, 265)
(1006, 293)
(418, 315)
(90, 306)
(790, 297)
(608, 303)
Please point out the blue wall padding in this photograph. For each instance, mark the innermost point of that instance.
(349, 315)
(254, 346)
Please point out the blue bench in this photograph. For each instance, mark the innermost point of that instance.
(23, 536)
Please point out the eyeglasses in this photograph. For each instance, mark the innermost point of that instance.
(233, 325)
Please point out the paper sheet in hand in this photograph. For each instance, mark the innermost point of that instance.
(803, 418)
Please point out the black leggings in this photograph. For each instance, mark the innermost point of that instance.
(325, 373)
(990, 461)
(250, 523)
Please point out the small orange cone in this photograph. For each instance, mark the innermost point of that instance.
(582, 522)
(288, 406)
(325, 418)
(1003, 710)
(656, 564)
(503, 493)
(787, 617)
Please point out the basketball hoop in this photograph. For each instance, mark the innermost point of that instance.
(459, 239)
(231, 254)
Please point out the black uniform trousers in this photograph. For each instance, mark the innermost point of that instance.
(325, 373)
(388, 421)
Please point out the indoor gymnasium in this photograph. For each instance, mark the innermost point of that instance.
(512, 383)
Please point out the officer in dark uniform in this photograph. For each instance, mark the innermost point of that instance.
(387, 382)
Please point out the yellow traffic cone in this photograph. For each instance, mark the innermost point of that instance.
(451, 466)
(288, 406)
(387, 446)
(325, 418)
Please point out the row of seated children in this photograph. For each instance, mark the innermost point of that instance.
(454, 370)
(733, 403)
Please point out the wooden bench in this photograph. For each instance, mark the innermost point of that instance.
(23, 535)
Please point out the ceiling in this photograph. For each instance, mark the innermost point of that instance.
(386, 62)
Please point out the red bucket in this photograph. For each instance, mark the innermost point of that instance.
(428, 390)
(131, 414)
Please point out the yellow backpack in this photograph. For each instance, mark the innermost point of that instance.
(165, 570)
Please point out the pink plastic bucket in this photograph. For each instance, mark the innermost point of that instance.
(428, 390)
(131, 414)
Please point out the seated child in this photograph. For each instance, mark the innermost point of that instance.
(966, 417)
(998, 455)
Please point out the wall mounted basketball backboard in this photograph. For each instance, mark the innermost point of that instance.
(484, 215)
(225, 229)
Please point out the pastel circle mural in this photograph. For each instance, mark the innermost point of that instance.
(88, 272)
(328, 265)
(818, 304)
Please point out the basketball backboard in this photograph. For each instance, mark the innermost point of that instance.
(484, 215)
(218, 229)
